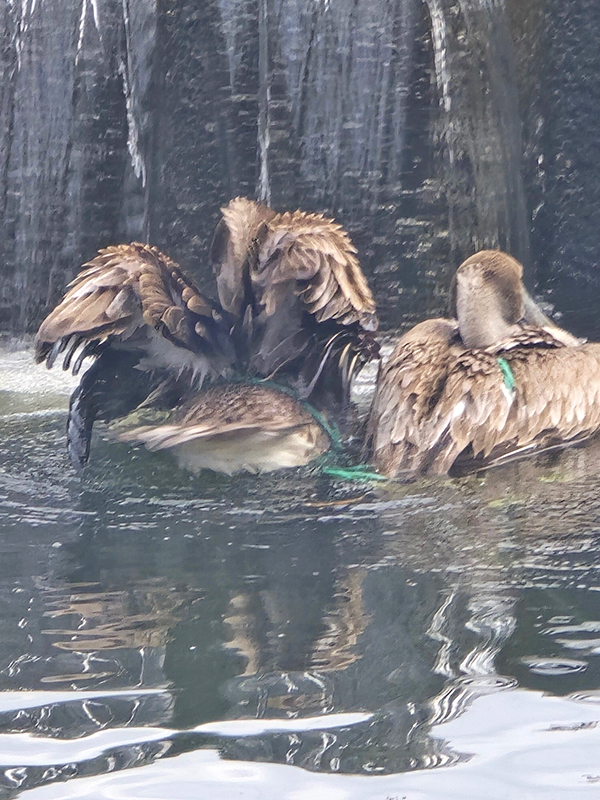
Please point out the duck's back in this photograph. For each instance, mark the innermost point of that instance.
(487, 406)
(557, 394)
(502, 405)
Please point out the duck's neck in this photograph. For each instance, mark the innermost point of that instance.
(480, 317)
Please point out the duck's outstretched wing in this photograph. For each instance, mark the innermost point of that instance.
(151, 332)
(135, 297)
(304, 308)
(316, 256)
(312, 303)
(235, 244)
(255, 252)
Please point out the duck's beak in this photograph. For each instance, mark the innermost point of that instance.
(533, 314)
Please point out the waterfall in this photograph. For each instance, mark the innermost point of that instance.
(429, 128)
(479, 130)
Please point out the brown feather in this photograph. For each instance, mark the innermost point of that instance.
(439, 403)
(408, 385)
(131, 290)
(476, 418)
(235, 427)
(233, 244)
(308, 247)
(293, 280)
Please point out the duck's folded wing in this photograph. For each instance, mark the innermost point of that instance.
(476, 413)
(136, 296)
(236, 427)
(555, 400)
(409, 387)
(559, 393)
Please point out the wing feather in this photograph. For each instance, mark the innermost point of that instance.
(293, 282)
(555, 400)
(231, 410)
(317, 254)
(473, 419)
(399, 430)
(133, 292)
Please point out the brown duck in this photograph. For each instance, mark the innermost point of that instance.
(491, 386)
(294, 322)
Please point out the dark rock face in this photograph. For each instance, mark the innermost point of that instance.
(429, 128)
(566, 231)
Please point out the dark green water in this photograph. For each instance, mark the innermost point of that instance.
(163, 636)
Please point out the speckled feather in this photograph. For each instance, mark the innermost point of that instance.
(303, 304)
(318, 254)
(238, 427)
(308, 249)
(437, 402)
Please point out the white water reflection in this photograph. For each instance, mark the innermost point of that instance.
(515, 744)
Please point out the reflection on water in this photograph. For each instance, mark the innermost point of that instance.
(219, 633)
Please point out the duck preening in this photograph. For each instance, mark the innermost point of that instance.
(304, 309)
(294, 322)
(498, 382)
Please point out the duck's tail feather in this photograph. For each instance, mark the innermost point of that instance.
(79, 428)
(112, 388)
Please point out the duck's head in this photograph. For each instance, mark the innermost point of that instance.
(488, 298)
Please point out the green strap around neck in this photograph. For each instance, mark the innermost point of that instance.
(509, 378)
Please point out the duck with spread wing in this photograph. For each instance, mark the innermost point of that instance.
(294, 323)
(497, 382)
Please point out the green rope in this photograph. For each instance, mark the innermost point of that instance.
(509, 378)
(360, 472)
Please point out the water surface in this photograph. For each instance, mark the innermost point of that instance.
(164, 635)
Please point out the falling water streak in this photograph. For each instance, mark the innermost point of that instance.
(96, 17)
(127, 72)
(81, 29)
(229, 19)
(21, 30)
(264, 99)
(438, 31)
(85, 6)
(133, 142)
